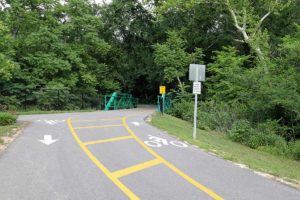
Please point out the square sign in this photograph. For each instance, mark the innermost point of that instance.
(162, 89)
(197, 88)
(193, 72)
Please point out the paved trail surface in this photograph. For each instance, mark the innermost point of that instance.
(117, 155)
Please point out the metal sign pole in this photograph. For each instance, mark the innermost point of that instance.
(195, 111)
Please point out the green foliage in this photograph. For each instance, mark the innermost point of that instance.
(295, 149)
(171, 57)
(228, 81)
(241, 131)
(7, 119)
(211, 115)
(183, 110)
(266, 96)
(7, 66)
(219, 116)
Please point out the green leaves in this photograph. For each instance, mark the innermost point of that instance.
(7, 66)
(171, 57)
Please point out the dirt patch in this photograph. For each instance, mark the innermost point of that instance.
(14, 134)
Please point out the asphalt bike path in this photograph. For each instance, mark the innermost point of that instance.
(117, 155)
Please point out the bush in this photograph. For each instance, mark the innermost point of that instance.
(7, 119)
(295, 149)
(259, 139)
(269, 127)
(241, 132)
(182, 109)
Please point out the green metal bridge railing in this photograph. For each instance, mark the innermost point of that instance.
(166, 103)
(120, 101)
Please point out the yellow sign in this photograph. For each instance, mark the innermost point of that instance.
(162, 89)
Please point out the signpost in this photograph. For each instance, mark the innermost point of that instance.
(196, 74)
(162, 91)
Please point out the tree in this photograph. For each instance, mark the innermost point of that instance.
(247, 20)
(7, 66)
(130, 30)
(172, 58)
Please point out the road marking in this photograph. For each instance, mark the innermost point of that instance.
(108, 140)
(136, 168)
(104, 126)
(159, 142)
(136, 123)
(48, 140)
(114, 176)
(115, 180)
(50, 122)
(95, 120)
(172, 167)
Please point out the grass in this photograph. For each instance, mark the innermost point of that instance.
(221, 145)
(8, 131)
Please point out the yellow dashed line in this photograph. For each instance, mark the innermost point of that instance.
(108, 140)
(136, 168)
(103, 126)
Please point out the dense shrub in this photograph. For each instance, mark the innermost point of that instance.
(259, 139)
(7, 119)
(211, 115)
(241, 132)
(264, 135)
(219, 116)
(182, 109)
(295, 149)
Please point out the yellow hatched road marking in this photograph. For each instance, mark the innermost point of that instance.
(114, 177)
(103, 126)
(95, 120)
(136, 168)
(115, 180)
(172, 167)
(108, 140)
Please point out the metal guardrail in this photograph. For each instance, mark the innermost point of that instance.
(120, 101)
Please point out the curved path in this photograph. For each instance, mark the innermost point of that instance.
(117, 155)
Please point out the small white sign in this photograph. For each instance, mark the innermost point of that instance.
(197, 88)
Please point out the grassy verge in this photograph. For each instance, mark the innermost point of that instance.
(9, 131)
(219, 144)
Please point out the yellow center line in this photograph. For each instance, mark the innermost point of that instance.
(136, 168)
(95, 120)
(115, 180)
(172, 167)
(103, 126)
(108, 140)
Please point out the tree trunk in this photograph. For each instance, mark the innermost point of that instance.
(180, 84)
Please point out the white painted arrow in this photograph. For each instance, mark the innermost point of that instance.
(48, 140)
(136, 123)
